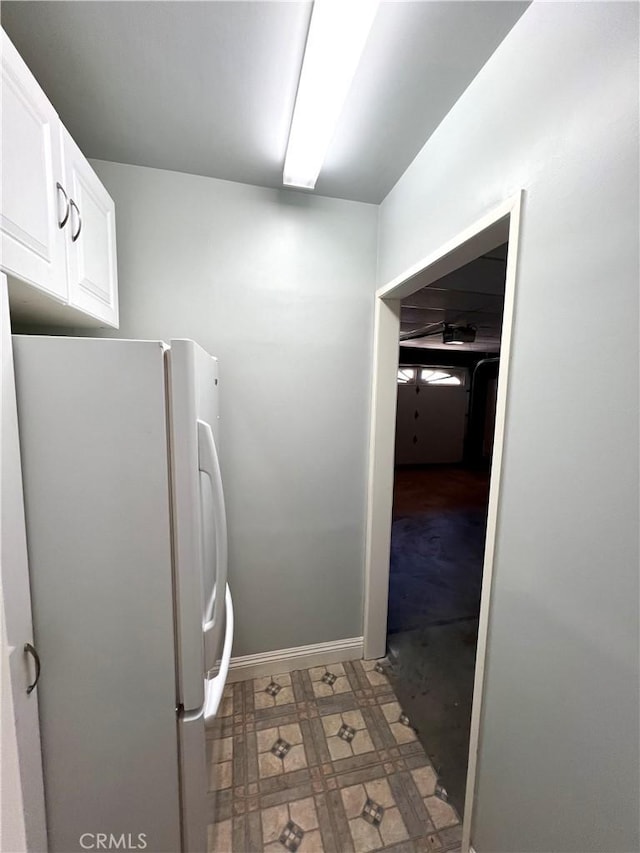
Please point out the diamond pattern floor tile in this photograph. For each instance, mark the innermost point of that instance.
(323, 759)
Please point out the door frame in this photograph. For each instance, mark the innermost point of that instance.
(500, 225)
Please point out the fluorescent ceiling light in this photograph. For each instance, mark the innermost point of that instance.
(337, 35)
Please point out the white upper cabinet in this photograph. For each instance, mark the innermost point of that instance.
(57, 220)
(33, 246)
(91, 244)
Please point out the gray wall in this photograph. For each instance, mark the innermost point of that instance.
(555, 110)
(278, 285)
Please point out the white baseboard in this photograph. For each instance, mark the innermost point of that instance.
(300, 657)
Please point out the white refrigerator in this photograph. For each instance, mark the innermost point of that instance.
(133, 620)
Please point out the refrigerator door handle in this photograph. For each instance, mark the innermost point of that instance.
(29, 649)
(209, 464)
(215, 686)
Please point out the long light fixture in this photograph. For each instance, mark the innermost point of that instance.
(337, 35)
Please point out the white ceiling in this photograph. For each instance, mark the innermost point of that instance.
(209, 87)
(473, 294)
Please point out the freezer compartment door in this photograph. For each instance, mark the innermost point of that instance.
(204, 756)
(193, 782)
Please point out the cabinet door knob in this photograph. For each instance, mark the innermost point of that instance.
(75, 236)
(29, 649)
(62, 222)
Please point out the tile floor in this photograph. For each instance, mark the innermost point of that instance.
(323, 761)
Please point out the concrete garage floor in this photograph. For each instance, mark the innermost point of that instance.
(437, 547)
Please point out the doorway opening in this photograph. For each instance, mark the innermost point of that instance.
(445, 420)
(488, 237)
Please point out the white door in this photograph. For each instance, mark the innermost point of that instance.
(196, 805)
(212, 508)
(193, 781)
(198, 517)
(204, 612)
(93, 436)
(33, 195)
(23, 813)
(91, 241)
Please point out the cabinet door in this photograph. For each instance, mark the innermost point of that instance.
(91, 241)
(33, 246)
(22, 811)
